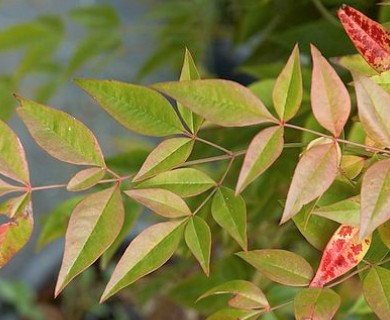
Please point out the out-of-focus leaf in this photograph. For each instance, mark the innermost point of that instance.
(189, 72)
(263, 90)
(281, 266)
(135, 107)
(86, 179)
(240, 288)
(55, 224)
(234, 314)
(345, 211)
(384, 231)
(15, 234)
(316, 304)
(13, 163)
(370, 38)
(315, 172)
(198, 238)
(229, 211)
(8, 103)
(330, 100)
(287, 93)
(223, 102)
(60, 135)
(356, 63)
(95, 16)
(160, 201)
(93, 226)
(167, 155)
(372, 101)
(262, 152)
(376, 289)
(375, 197)
(185, 182)
(343, 252)
(146, 253)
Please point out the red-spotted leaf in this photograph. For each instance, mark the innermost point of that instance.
(255, 298)
(373, 106)
(315, 172)
(146, 253)
(137, 108)
(160, 201)
(229, 211)
(167, 155)
(86, 179)
(15, 234)
(375, 197)
(60, 135)
(13, 162)
(330, 100)
(343, 252)
(223, 102)
(198, 238)
(370, 38)
(287, 93)
(189, 72)
(376, 290)
(93, 226)
(316, 304)
(262, 152)
(281, 266)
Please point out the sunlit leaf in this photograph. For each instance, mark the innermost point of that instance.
(342, 253)
(376, 289)
(316, 304)
(167, 155)
(160, 201)
(229, 211)
(137, 108)
(59, 134)
(370, 38)
(373, 102)
(93, 226)
(287, 93)
(330, 100)
(15, 234)
(86, 179)
(185, 182)
(351, 166)
(240, 288)
(146, 253)
(281, 266)
(13, 162)
(315, 172)
(189, 72)
(375, 197)
(198, 238)
(262, 152)
(222, 102)
(12, 206)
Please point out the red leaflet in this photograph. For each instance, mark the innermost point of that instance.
(342, 253)
(370, 38)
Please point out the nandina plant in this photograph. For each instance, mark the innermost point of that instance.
(337, 197)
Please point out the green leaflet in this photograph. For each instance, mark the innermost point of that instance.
(86, 179)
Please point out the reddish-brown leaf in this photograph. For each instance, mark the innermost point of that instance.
(370, 38)
(343, 252)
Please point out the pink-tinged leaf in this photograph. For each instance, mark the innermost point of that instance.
(14, 205)
(373, 106)
(262, 152)
(16, 233)
(160, 201)
(316, 304)
(86, 179)
(370, 38)
(330, 100)
(223, 102)
(6, 188)
(375, 197)
(146, 253)
(315, 172)
(343, 252)
(13, 162)
(93, 226)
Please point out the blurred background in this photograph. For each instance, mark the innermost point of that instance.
(46, 43)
